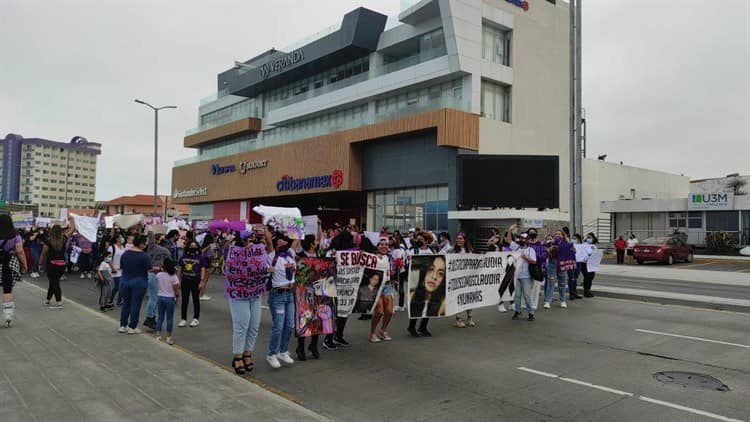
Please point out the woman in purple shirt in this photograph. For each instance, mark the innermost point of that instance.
(12, 264)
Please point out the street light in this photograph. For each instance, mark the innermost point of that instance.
(156, 143)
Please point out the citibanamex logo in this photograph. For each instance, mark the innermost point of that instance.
(337, 178)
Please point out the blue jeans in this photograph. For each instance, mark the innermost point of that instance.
(115, 290)
(132, 292)
(281, 305)
(166, 307)
(554, 277)
(573, 279)
(153, 291)
(524, 289)
(36, 266)
(246, 316)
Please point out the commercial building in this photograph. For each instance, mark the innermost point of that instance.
(710, 205)
(50, 174)
(454, 113)
(143, 204)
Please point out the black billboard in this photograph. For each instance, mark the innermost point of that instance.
(509, 181)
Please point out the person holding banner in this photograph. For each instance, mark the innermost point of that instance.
(309, 250)
(53, 253)
(12, 264)
(463, 246)
(541, 256)
(343, 241)
(399, 267)
(192, 273)
(384, 306)
(281, 300)
(525, 287)
(428, 299)
(591, 263)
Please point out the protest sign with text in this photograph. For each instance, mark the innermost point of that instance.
(351, 275)
(315, 293)
(246, 272)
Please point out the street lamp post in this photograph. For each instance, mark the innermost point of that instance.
(156, 145)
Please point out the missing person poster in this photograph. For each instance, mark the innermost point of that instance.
(246, 272)
(355, 270)
(444, 285)
(315, 293)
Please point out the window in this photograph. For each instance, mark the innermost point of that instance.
(496, 101)
(401, 209)
(722, 221)
(496, 44)
(695, 220)
(677, 219)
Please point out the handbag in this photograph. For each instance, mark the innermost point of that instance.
(536, 272)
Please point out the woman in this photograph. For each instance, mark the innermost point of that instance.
(566, 258)
(552, 278)
(136, 265)
(580, 253)
(309, 250)
(630, 248)
(528, 256)
(463, 246)
(53, 253)
(384, 305)
(428, 299)
(12, 265)
(117, 249)
(36, 252)
(541, 257)
(192, 273)
(590, 265)
(344, 241)
(400, 266)
(209, 253)
(246, 312)
(283, 268)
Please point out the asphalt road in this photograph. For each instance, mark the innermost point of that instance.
(710, 264)
(587, 362)
(673, 286)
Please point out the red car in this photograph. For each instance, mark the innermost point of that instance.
(663, 249)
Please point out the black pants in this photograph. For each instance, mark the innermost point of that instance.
(588, 278)
(188, 287)
(340, 325)
(422, 324)
(54, 272)
(401, 286)
(621, 256)
(313, 343)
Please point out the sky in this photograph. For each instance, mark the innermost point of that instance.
(666, 84)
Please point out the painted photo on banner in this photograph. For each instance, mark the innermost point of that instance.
(315, 293)
(350, 270)
(444, 285)
(246, 272)
(369, 291)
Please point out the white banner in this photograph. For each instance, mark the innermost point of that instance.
(311, 224)
(444, 285)
(359, 282)
(128, 221)
(87, 226)
(287, 220)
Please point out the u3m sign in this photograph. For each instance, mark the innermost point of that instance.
(711, 201)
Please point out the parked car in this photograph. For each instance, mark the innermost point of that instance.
(668, 250)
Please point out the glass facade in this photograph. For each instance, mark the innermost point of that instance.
(425, 48)
(496, 101)
(496, 43)
(425, 207)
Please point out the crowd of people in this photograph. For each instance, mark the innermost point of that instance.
(175, 267)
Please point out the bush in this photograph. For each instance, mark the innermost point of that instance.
(720, 242)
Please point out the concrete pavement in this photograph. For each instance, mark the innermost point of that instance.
(72, 365)
(473, 373)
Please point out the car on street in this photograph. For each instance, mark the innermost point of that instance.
(667, 250)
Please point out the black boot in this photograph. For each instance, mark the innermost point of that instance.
(314, 347)
(301, 349)
(150, 322)
(588, 293)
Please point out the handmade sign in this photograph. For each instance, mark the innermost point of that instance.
(315, 293)
(359, 281)
(86, 226)
(246, 272)
(22, 219)
(286, 220)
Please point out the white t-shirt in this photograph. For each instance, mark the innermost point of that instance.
(284, 270)
(631, 243)
(522, 266)
(116, 257)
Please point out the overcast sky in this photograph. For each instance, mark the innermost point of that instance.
(666, 83)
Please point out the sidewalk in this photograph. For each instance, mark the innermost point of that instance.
(701, 276)
(72, 365)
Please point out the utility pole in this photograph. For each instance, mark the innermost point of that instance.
(579, 119)
(156, 147)
(572, 119)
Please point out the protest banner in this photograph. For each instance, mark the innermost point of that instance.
(286, 220)
(311, 224)
(128, 221)
(43, 222)
(22, 219)
(314, 295)
(373, 236)
(444, 285)
(63, 214)
(86, 226)
(594, 260)
(354, 269)
(201, 225)
(246, 272)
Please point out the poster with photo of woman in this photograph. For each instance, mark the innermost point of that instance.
(427, 286)
(369, 291)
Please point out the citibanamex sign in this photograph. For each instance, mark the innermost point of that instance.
(289, 183)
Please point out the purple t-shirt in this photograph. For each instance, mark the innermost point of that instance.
(166, 282)
(10, 244)
(192, 266)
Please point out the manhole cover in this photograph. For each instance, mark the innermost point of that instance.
(691, 380)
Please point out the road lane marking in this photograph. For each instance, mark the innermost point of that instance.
(598, 387)
(625, 393)
(688, 409)
(743, 271)
(696, 265)
(747, 346)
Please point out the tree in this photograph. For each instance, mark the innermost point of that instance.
(736, 184)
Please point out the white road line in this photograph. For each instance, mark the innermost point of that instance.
(625, 393)
(747, 346)
(598, 387)
(689, 409)
(534, 371)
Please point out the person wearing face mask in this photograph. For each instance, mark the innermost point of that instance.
(116, 249)
(591, 263)
(192, 273)
(553, 275)
(417, 306)
(541, 258)
(528, 256)
(157, 254)
(384, 306)
(105, 281)
(309, 250)
(580, 251)
(566, 258)
(283, 268)
(400, 266)
(463, 246)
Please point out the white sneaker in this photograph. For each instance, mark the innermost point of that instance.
(546, 305)
(194, 323)
(273, 361)
(182, 323)
(34, 275)
(563, 305)
(63, 277)
(205, 297)
(285, 357)
(501, 308)
(83, 275)
(134, 330)
(122, 330)
(88, 275)
(373, 338)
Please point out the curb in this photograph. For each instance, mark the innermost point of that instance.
(668, 298)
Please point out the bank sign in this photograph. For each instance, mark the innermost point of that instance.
(289, 183)
(711, 201)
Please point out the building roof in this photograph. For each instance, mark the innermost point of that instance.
(141, 200)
